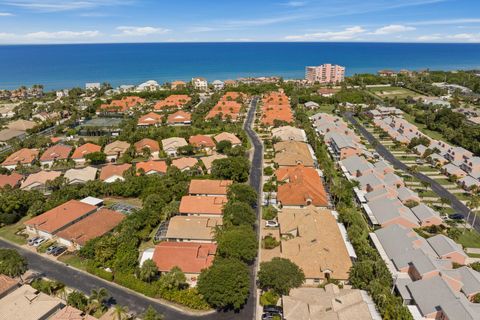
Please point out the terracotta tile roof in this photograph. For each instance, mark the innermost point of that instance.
(276, 106)
(7, 284)
(150, 119)
(184, 163)
(152, 166)
(147, 143)
(191, 257)
(55, 219)
(24, 156)
(201, 141)
(304, 187)
(228, 137)
(179, 117)
(116, 147)
(175, 100)
(56, 152)
(210, 187)
(11, 180)
(85, 149)
(39, 178)
(93, 226)
(56, 139)
(232, 95)
(291, 153)
(202, 204)
(123, 105)
(226, 108)
(71, 313)
(113, 170)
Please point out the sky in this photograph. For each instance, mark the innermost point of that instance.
(116, 21)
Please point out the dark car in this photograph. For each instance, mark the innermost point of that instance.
(51, 249)
(32, 240)
(58, 251)
(457, 216)
(271, 316)
(272, 308)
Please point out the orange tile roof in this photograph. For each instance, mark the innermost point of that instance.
(122, 105)
(190, 257)
(150, 119)
(275, 106)
(226, 108)
(93, 226)
(211, 187)
(11, 180)
(152, 166)
(58, 217)
(55, 139)
(24, 156)
(231, 95)
(228, 137)
(303, 185)
(147, 143)
(175, 100)
(56, 152)
(184, 163)
(202, 204)
(71, 313)
(201, 141)
(179, 117)
(85, 149)
(113, 170)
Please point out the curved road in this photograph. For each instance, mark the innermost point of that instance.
(436, 187)
(136, 302)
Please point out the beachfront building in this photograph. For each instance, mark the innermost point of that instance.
(325, 73)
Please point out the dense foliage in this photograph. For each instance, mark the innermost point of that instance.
(12, 263)
(280, 275)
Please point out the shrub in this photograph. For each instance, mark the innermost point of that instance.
(268, 171)
(131, 282)
(269, 242)
(269, 213)
(99, 272)
(269, 298)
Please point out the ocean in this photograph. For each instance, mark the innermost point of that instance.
(66, 66)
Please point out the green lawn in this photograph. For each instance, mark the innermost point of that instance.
(391, 92)
(470, 239)
(326, 108)
(73, 260)
(8, 232)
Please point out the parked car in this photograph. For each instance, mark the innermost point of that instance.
(51, 249)
(457, 216)
(273, 308)
(272, 312)
(39, 241)
(32, 240)
(58, 251)
(271, 224)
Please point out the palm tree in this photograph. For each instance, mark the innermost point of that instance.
(96, 299)
(473, 204)
(120, 312)
(425, 184)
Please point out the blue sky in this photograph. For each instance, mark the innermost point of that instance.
(99, 21)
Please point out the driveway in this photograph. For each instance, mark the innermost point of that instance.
(436, 187)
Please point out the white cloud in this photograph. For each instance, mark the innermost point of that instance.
(428, 38)
(393, 28)
(346, 34)
(294, 4)
(5, 14)
(238, 40)
(465, 37)
(4, 35)
(62, 35)
(141, 31)
(63, 5)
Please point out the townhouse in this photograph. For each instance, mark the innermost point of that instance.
(174, 101)
(150, 119)
(179, 118)
(292, 153)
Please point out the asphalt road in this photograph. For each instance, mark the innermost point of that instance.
(135, 302)
(458, 206)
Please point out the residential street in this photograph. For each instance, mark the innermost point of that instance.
(136, 302)
(458, 206)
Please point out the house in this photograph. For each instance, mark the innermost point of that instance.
(426, 215)
(24, 157)
(92, 86)
(13, 180)
(80, 176)
(192, 229)
(387, 73)
(171, 145)
(329, 302)
(391, 211)
(208, 161)
(327, 92)
(289, 133)
(311, 105)
(446, 248)
(452, 170)
(292, 153)
(55, 153)
(227, 136)
(38, 181)
(54, 220)
(147, 144)
(202, 142)
(93, 226)
(175, 85)
(469, 182)
(343, 146)
(150, 85)
(186, 163)
(202, 205)
(150, 119)
(218, 85)
(111, 172)
(79, 154)
(228, 107)
(200, 187)
(179, 118)
(115, 150)
(27, 303)
(356, 166)
(190, 257)
(124, 105)
(176, 101)
(406, 195)
(299, 187)
(71, 313)
(471, 166)
(200, 84)
(310, 238)
(152, 167)
(457, 155)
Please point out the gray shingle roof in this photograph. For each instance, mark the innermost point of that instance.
(424, 212)
(444, 245)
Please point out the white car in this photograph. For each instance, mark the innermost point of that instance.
(39, 242)
(271, 224)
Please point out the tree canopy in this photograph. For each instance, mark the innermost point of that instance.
(280, 275)
(12, 263)
(238, 242)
